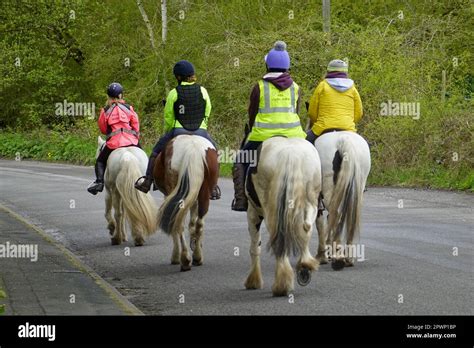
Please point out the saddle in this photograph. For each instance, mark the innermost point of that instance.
(330, 130)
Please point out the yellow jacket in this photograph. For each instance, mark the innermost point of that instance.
(335, 104)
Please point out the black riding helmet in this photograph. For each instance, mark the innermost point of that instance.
(183, 68)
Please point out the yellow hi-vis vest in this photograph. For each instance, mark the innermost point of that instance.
(277, 113)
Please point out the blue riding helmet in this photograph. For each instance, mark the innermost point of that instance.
(114, 90)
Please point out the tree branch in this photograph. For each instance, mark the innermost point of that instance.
(148, 24)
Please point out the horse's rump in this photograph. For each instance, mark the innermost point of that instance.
(286, 190)
(140, 208)
(345, 163)
(288, 183)
(124, 166)
(187, 169)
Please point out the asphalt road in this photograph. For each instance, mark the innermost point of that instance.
(410, 252)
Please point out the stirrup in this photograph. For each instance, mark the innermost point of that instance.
(216, 193)
(142, 186)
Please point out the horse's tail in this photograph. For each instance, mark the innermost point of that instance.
(286, 209)
(346, 200)
(140, 208)
(190, 177)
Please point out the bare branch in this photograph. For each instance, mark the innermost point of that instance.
(147, 23)
(164, 24)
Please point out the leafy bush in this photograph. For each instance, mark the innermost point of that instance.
(47, 145)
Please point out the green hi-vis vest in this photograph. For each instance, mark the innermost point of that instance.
(277, 113)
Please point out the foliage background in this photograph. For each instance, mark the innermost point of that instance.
(393, 55)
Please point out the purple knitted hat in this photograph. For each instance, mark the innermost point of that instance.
(278, 57)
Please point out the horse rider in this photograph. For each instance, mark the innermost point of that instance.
(335, 104)
(119, 122)
(273, 111)
(187, 111)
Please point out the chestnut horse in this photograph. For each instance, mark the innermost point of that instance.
(185, 172)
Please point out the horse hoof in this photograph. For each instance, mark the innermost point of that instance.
(348, 263)
(139, 242)
(115, 241)
(303, 276)
(250, 286)
(185, 268)
(322, 260)
(197, 262)
(280, 293)
(337, 265)
(192, 244)
(254, 281)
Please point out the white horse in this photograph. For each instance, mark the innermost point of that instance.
(123, 167)
(345, 165)
(186, 171)
(287, 183)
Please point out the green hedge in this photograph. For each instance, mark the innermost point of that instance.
(47, 145)
(80, 148)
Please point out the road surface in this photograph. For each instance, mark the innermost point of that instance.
(418, 252)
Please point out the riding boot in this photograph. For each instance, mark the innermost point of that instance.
(98, 185)
(143, 183)
(240, 202)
